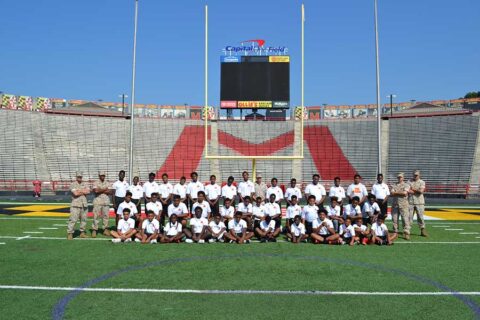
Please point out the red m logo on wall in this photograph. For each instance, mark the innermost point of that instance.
(324, 150)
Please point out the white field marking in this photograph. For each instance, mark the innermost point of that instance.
(253, 241)
(263, 292)
(444, 222)
(18, 238)
(60, 225)
(2, 243)
(440, 226)
(453, 229)
(33, 232)
(32, 218)
(468, 233)
(48, 228)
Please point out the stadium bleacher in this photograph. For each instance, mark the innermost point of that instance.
(50, 147)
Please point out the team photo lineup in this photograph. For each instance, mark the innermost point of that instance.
(191, 212)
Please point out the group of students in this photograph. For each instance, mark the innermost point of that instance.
(191, 212)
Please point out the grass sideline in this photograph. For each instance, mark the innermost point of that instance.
(272, 266)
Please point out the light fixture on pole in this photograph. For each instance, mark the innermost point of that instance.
(391, 96)
(123, 96)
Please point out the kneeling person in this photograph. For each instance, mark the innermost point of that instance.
(125, 229)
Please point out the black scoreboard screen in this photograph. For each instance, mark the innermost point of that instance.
(255, 82)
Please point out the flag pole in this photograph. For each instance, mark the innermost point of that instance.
(379, 111)
(132, 113)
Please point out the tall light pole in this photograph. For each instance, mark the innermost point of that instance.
(123, 96)
(391, 96)
(377, 64)
(132, 113)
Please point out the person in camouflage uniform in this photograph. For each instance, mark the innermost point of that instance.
(101, 204)
(399, 193)
(78, 207)
(416, 201)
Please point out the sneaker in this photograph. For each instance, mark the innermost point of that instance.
(221, 240)
(94, 233)
(263, 240)
(137, 240)
(116, 240)
(247, 241)
(273, 240)
(153, 241)
(188, 241)
(128, 240)
(201, 241)
(69, 236)
(231, 241)
(211, 240)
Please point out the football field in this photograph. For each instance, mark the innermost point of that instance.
(43, 276)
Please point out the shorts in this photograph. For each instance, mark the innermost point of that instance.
(367, 221)
(148, 234)
(239, 235)
(308, 227)
(347, 239)
(256, 224)
(383, 239)
(138, 204)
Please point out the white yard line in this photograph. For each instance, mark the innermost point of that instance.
(59, 225)
(32, 218)
(263, 292)
(48, 228)
(468, 233)
(440, 226)
(2, 243)
(33, 232)
(453, 229)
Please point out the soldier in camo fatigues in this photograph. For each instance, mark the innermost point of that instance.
(101, 204)
(399, 193)
(416, 201)
(78, 207)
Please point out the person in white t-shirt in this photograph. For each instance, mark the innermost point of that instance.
(297, 232)
(128, 204)
(380, 233)
(155, 206)
(258, 211)
(149, 187)
(246, 187)
(137, 193)
(212, 193)
(357, 189)
(229, 191)
(121, 187)
(179, 209)
(180, 189)
(165, 193)
(217, 229)
(150, 229)
(193, 188)
(238, 232)
(198, 228)
(227, 212)
(362, 232)
(125, 228)
(347, 232)
(267, 232)
(172, 232)
(381, 191)
(334, 213)
(370, 210)
(293, 190)
(309, 213)
(276, 190)
(323, 231)
(292, 211)
(273, 210)
(317, 190)
(337, 191)
(353, 209)
(202, 203)
(246, 209)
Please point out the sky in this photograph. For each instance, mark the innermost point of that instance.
(82, 49)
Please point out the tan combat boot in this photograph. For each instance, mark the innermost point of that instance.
(106, 232)
(69, 236)
(83, 235)
(94, 233)
(407, 236)
(423, 233)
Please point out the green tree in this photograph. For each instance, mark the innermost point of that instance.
(472, 94)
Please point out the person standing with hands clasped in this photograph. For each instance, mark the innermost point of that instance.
(416, 201)
(78, 206)
(399, 193)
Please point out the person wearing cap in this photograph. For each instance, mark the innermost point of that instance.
(260, 187)
(399, 193)
(78, 206)
(101, 204)
(416, 201)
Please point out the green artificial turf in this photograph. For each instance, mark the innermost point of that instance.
(272, 266)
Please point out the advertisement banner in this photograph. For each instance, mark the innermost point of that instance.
(330, 113)
(281, 104)
(180, 113)
(298, 113)
(228, 104)
(228, 59)
(279, 59)
(41, 104)
(25, 103)
(254, 104)
(9, 101)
